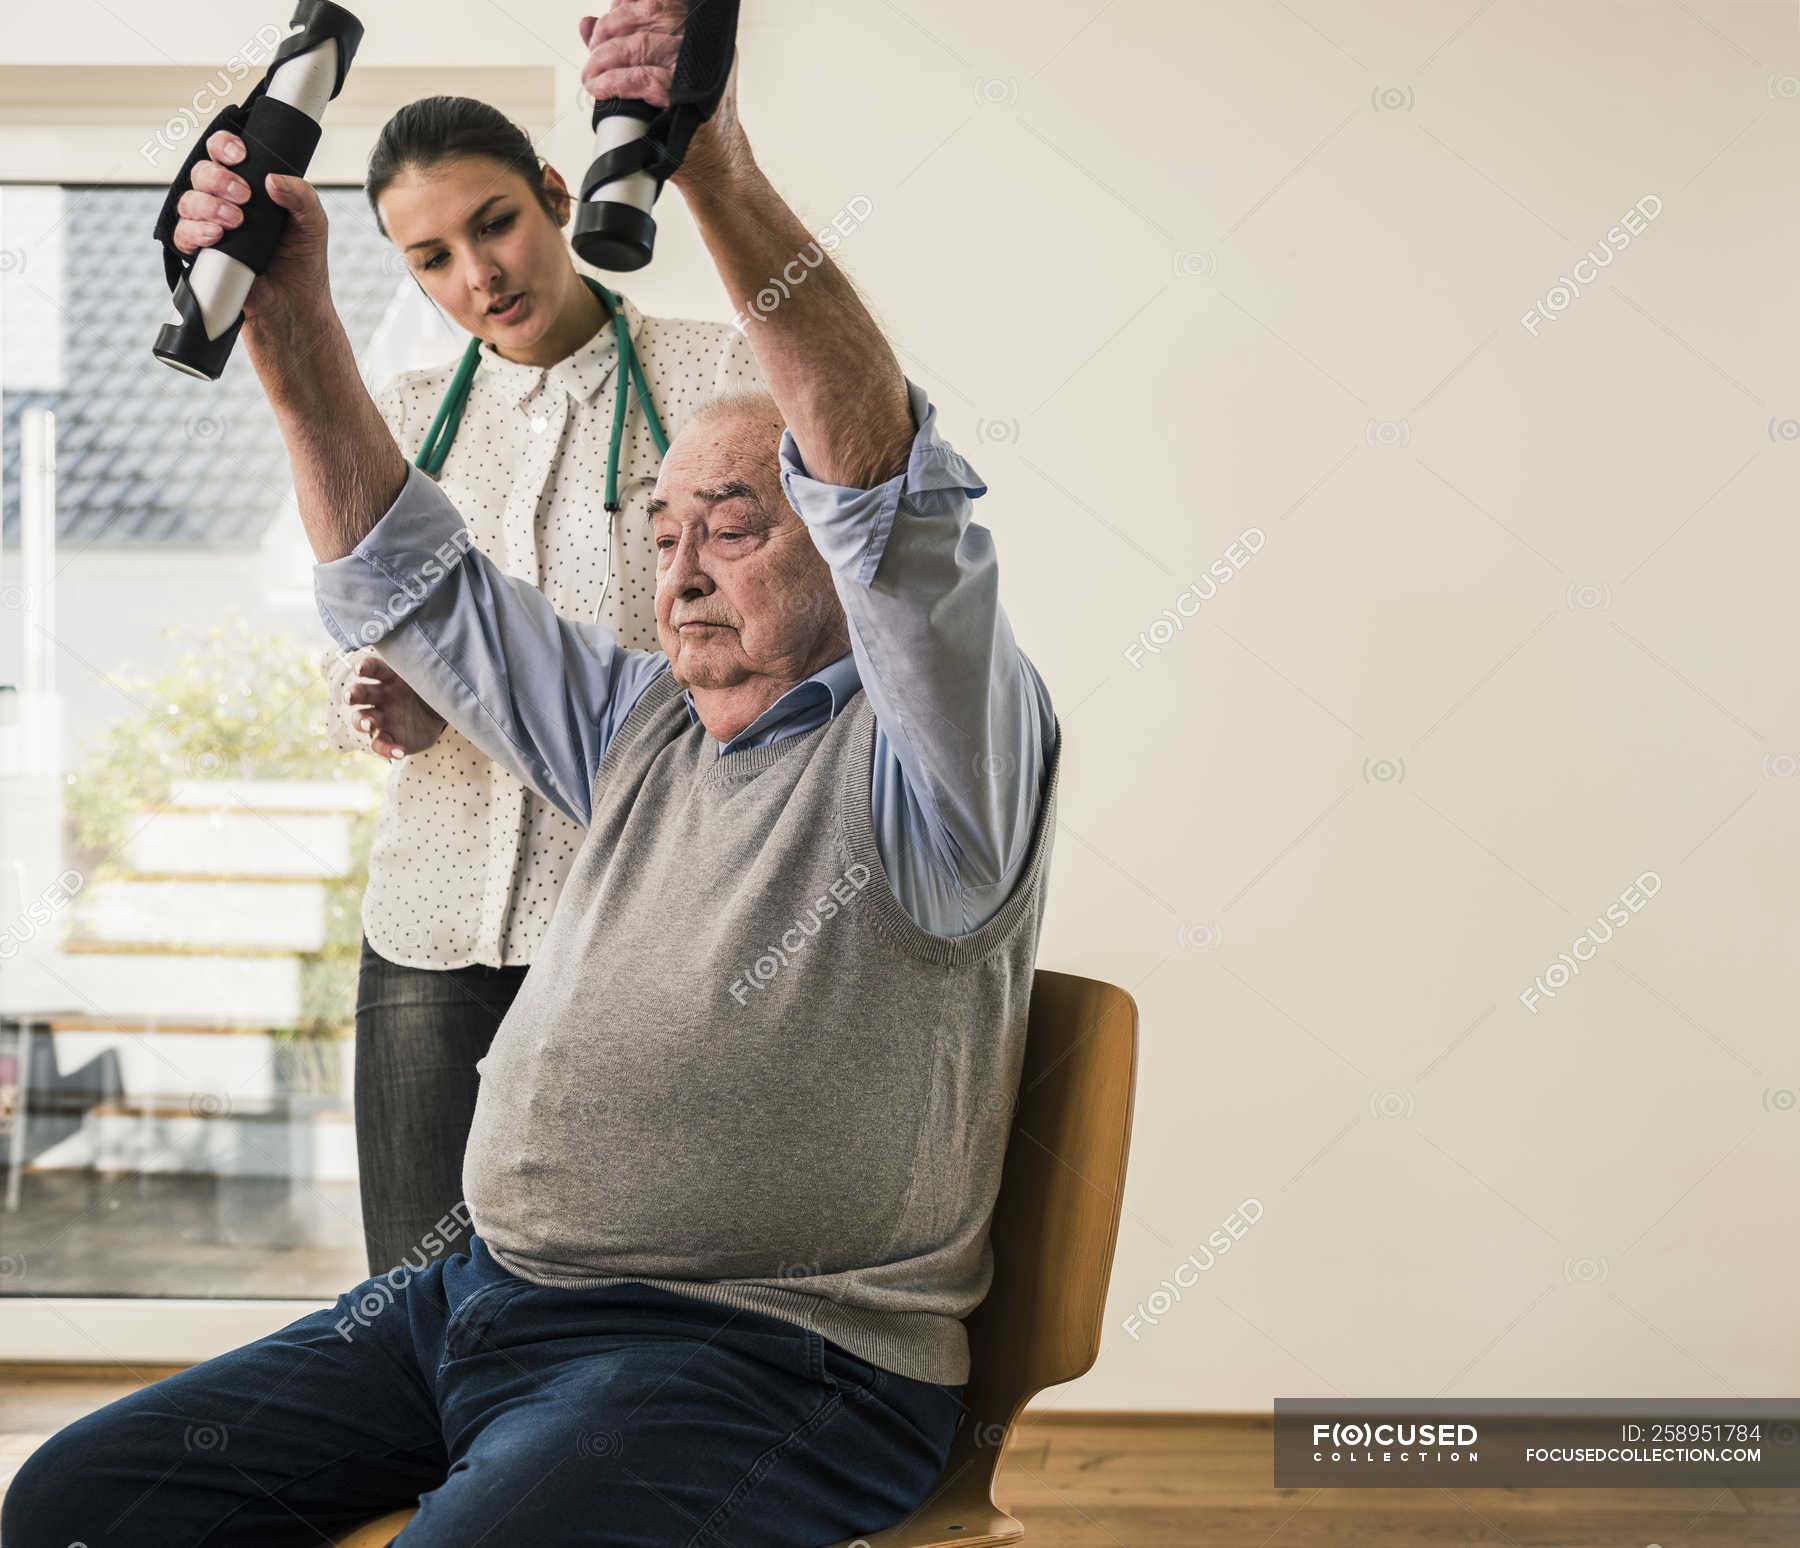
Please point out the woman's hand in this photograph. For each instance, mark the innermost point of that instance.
(396, 720)
(295, 284)
(631, 53)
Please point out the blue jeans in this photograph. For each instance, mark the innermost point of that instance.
(624, 1416)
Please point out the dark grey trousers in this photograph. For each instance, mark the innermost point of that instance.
(419, 1032)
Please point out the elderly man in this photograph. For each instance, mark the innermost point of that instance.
(739, 1137)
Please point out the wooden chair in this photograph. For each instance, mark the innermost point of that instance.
(1055, 1224)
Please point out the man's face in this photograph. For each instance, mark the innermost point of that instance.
(741, 592)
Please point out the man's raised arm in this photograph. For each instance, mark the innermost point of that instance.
(826, 362)
(962, 715)
(821, 353)
(347, 469)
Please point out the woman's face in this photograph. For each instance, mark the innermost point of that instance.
(474, 235)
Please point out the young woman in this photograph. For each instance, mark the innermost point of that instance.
(467, 863)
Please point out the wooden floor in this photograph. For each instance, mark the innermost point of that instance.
(1171, 1481)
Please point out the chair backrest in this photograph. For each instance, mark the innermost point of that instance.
(1056, 1219)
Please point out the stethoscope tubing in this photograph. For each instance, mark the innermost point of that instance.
(629, 373)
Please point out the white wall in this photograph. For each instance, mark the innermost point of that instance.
(1514, 635)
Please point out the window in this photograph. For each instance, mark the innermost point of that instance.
(181, 855)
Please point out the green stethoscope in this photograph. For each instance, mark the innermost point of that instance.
(443, 428)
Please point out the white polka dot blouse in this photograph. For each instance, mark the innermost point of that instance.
(467, 863)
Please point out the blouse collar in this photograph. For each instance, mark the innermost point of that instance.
(580, 374)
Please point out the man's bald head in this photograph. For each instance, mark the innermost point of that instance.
(740, 402)
(750, 421)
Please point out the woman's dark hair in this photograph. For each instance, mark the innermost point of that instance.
(437, 129)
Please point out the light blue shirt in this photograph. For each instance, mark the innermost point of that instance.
(964, 724)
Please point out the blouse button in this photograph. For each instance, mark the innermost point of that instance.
(539, 425)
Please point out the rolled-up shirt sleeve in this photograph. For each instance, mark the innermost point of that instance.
(540, 694)
(966, 723)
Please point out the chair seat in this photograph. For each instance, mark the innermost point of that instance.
(375, 1534)
(944, 1523)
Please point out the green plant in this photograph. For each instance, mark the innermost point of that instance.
(238, 704)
